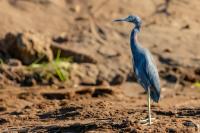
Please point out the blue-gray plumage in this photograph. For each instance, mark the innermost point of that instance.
(145, 70)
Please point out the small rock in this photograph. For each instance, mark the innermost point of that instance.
(133, 130)
(121, 125)
(76, 8)
(2, 109)
(14, 62)
(167, 50)
(85, 74)
(187, 26)
(2, 121)
(171, 130)
(23, 130)
(189, 124)
(117, 79)
(102, 92)
(189, 77)
(170, 78)
(197, 71)
(131, 77)
(28, 80)
(61, 38)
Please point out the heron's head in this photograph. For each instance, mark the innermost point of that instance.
(131, 19)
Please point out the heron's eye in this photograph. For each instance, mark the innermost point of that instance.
(130, 18)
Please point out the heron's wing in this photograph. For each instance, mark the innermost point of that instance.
(152, 75)
(133, 64)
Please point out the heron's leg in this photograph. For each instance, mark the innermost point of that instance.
(149, 118)
(149, 106)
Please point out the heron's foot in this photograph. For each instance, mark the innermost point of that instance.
(146, 121)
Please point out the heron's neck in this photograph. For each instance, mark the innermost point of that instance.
(133, 39)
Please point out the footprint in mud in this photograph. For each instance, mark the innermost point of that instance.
(56, 95)
(62, 113)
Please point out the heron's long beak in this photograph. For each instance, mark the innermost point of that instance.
(121, 20)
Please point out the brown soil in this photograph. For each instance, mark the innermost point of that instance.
(101, 95)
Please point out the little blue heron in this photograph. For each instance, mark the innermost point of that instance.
(145, 70)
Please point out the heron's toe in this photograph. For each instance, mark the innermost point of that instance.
(146, 121)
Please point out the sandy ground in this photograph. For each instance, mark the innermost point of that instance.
(97, 109)
(102, 95)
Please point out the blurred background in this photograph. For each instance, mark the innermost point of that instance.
(66, 62)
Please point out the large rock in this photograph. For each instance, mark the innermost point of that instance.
(85, 74)
(27, 47)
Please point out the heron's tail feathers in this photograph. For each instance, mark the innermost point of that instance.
(155, 94)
